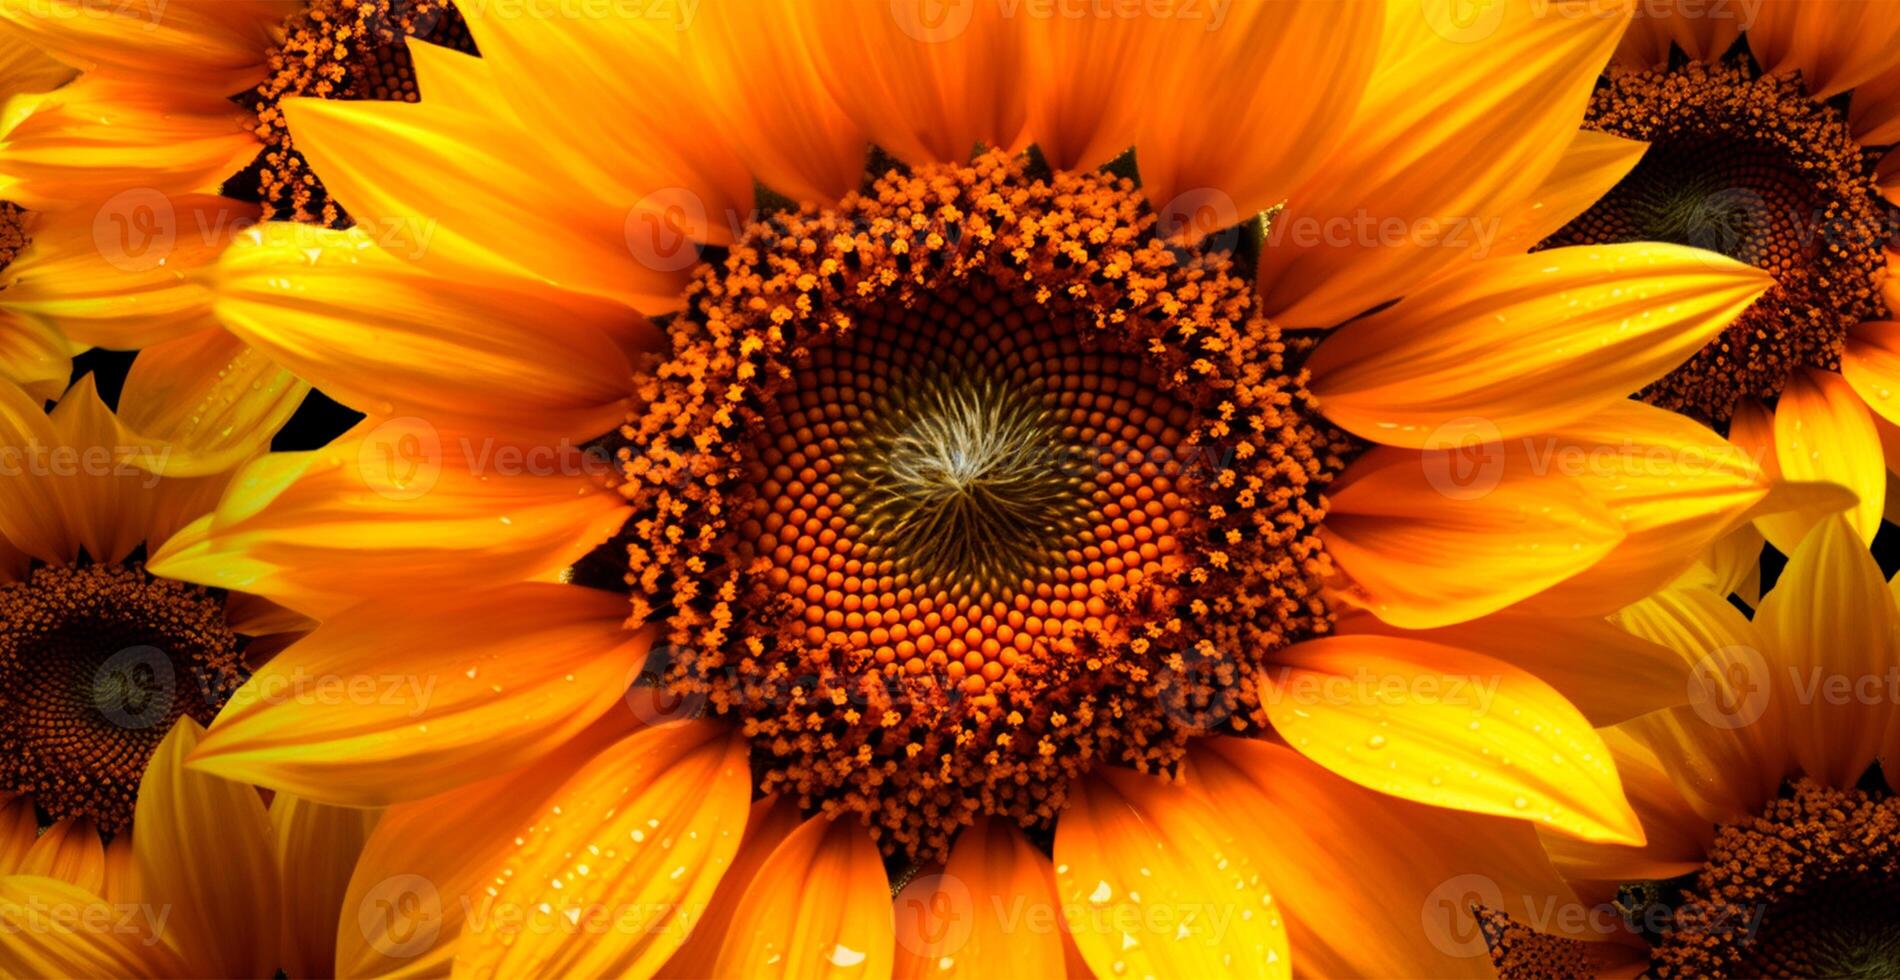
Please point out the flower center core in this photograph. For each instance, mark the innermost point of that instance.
(1750, 166)
(96, 664)
(967, 485)
(1811, 888)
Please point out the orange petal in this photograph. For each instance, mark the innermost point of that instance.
(1159, 881)
(1678, 836)
(1593, 163)
(71, 851)
(420, 879)
(317, 846)
(1704, 37)
(992, 911)
(1446, 739)
(610, 877)
(1834, 47)
(1871, 364)
(203, 849)
(106, 135)
(44, 932)
(19, 829)
(33, 353)
(402, 506)
(1832, 622)
(25, 65)
(1423, 550)
(761, 79)
(1462, 123)
(216, 46)
(926, 82)
(773, 818)
(120, 276)
(30, 506)
(1526, 343)
(1413, 868)
(385, 337)
(211, 400)
(819, 907)
(1259, 128)
(1823, 432)
(1873, 112)
(396, 700)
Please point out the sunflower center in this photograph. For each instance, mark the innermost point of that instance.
(96, 664)
(970, 484)
(335, 49)
(13, 237)
(1752, 167)
(1809, 888)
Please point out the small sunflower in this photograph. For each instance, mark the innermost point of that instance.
(1773, 836)
(960, 498)
(108, 674)
(1773, 145)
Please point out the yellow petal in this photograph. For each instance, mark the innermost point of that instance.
(217, 46)
(772, 819)
(1525, 343)
(1832, 622)
(1834, 47)
(397, 700)
(30, 507)
(819, 907)
(1159, 881)
(44, 932)
(1458, 129)
(203, 849)
(1446, 741)
(212, 401)
(1568, 653)
(1421, 551)
(120, 276)
(990, 913)
(401, 506)
(926, 82)
(71, 851)
(317, 846)
(383, 336)
(1678, 836)
(1725, 750)
(33, 353)
(1675, 487)
(99, 486)
(760, 77)
(106, 135)
(421, 879)
(608, 879)
(1592, 164)
(1823, 432)
(25, 65)
(1259, 127)
(1412, 867)
(1871, 364)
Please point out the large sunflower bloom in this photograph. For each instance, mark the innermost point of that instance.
(960, 497)
(1773, 848)
(107, 675)
(1771, 141)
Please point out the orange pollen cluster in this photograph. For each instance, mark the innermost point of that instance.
(1811, 888)
(96, 664)
(967, 485)
(335, 49)
(13, 237)
(1751, 166)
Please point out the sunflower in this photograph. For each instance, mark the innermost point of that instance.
(108, 674)
(837, 462)
(1768, 802)
(1770, 140)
